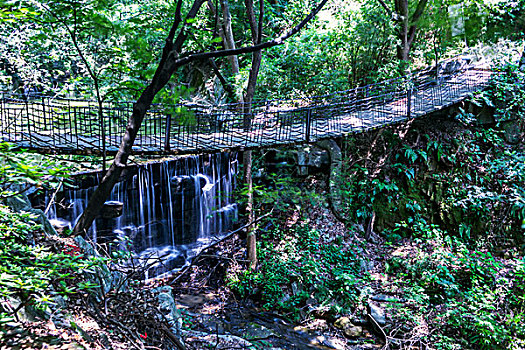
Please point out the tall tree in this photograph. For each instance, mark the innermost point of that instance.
(171, 59)
(406, 23)
(256, 30)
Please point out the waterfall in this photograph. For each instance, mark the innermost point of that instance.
(171, 209)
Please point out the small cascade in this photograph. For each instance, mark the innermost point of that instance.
(171, 210)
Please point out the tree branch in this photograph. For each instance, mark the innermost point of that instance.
(385, 6)
(176, 22)
(251, 19)
(261, 17)
(418, 12)
(242, 50)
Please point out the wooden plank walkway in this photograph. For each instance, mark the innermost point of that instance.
(74, 127)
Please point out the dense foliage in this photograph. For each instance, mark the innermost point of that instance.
(32, 274)
(112, 47)
(447, 198)
(300, 268)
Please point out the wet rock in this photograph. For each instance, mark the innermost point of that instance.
(24, 314)
(332, 343)
(326, 312)
(311, 157)
(343, 322)
(353, 332)
(111, 209)
(190, 301)
(377, 313)
(302, 330)
(60, 225)
(215, 325)
(386, 298)
(21, 203)
(101, 273)
(169, 309)
(255, 331)
(349, 329)
(86, 247)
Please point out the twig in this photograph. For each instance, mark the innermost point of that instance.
(173, 337)
(52, 199)
(381, 329)
(132, 338)
(223, 258)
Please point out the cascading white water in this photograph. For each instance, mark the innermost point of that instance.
(171, 210)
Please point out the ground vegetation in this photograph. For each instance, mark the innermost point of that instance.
(426, 249)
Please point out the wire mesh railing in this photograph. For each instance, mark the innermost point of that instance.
(63, 125)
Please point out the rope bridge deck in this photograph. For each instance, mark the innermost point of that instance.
(72, 126)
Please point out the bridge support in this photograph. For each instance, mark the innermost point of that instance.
(335, 178)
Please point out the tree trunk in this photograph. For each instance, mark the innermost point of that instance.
(251, 240)
(335, 179)
(170, 61)
(229, 40)
(162, 75)
(403, 48)
(256, 30)
(229, 44)
(406, 24)
(226, 33)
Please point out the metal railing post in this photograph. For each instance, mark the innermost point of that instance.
(409, 102)
(44, 112)
(308, 124)
(103, 135)
(28, 122)
(167, 133)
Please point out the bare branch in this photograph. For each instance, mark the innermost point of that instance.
(242, 50)
(251, 19)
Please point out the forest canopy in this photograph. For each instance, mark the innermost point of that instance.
(66, 48)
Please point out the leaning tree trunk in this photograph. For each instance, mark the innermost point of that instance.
(170, 61)
(226, 34)
(162, 75)
(229, 40)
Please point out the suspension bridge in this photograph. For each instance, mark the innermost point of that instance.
(68, 126)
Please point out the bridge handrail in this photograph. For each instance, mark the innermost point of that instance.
(50, 122)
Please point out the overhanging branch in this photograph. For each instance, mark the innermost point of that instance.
(385, 6)
(248, 49)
